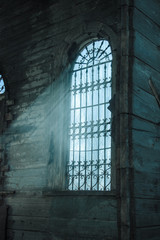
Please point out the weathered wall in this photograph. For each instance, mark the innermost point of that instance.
(62, 217)
(38, 40)
(36, 43)
(146, 119)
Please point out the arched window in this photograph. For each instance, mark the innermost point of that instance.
(2, 86)
(89, 165)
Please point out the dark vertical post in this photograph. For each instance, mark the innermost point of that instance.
(80, 134)
(3, 218)
(98, 123)
(126, 186)
(74, 127)
(105, 123)
(86, 89)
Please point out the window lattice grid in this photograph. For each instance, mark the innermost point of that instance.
(89, 166)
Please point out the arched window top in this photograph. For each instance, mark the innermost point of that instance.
(96, 52)
(2, 86)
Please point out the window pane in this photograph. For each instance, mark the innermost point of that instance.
(95, 97)
(89, 114)
(101, 94)
(77, 96)
(83, 96)
(89, 98)
(77, 115)
(83, 115)
(2, 86)
(95, 113)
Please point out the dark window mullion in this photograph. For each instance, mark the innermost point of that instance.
(91, 131)
(98, 163)
(85, 186)
(79, 162)
(105, 134)
(92, 89)
(74, 127)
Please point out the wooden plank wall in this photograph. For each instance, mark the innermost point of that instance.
(62, 217)
(34, 36)
(146, 119)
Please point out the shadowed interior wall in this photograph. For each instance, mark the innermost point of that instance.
(146, 119)
(36, 46)
(38, 42)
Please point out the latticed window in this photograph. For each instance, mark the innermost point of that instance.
(89, 165)
(2, 86)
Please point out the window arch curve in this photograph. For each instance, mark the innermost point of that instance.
(89, 165)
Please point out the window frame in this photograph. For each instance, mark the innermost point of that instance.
(66, 81)
(91, 42)
(56, 173)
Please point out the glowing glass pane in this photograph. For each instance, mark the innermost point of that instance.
(2, 86)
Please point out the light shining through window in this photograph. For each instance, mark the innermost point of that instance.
(89, 166)
(2, 86)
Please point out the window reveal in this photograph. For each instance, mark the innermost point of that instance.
(89, 165)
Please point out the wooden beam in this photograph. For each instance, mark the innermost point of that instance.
(2, 193)
(3, 217)
(154, 91)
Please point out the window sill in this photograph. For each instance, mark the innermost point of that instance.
(51, 193)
